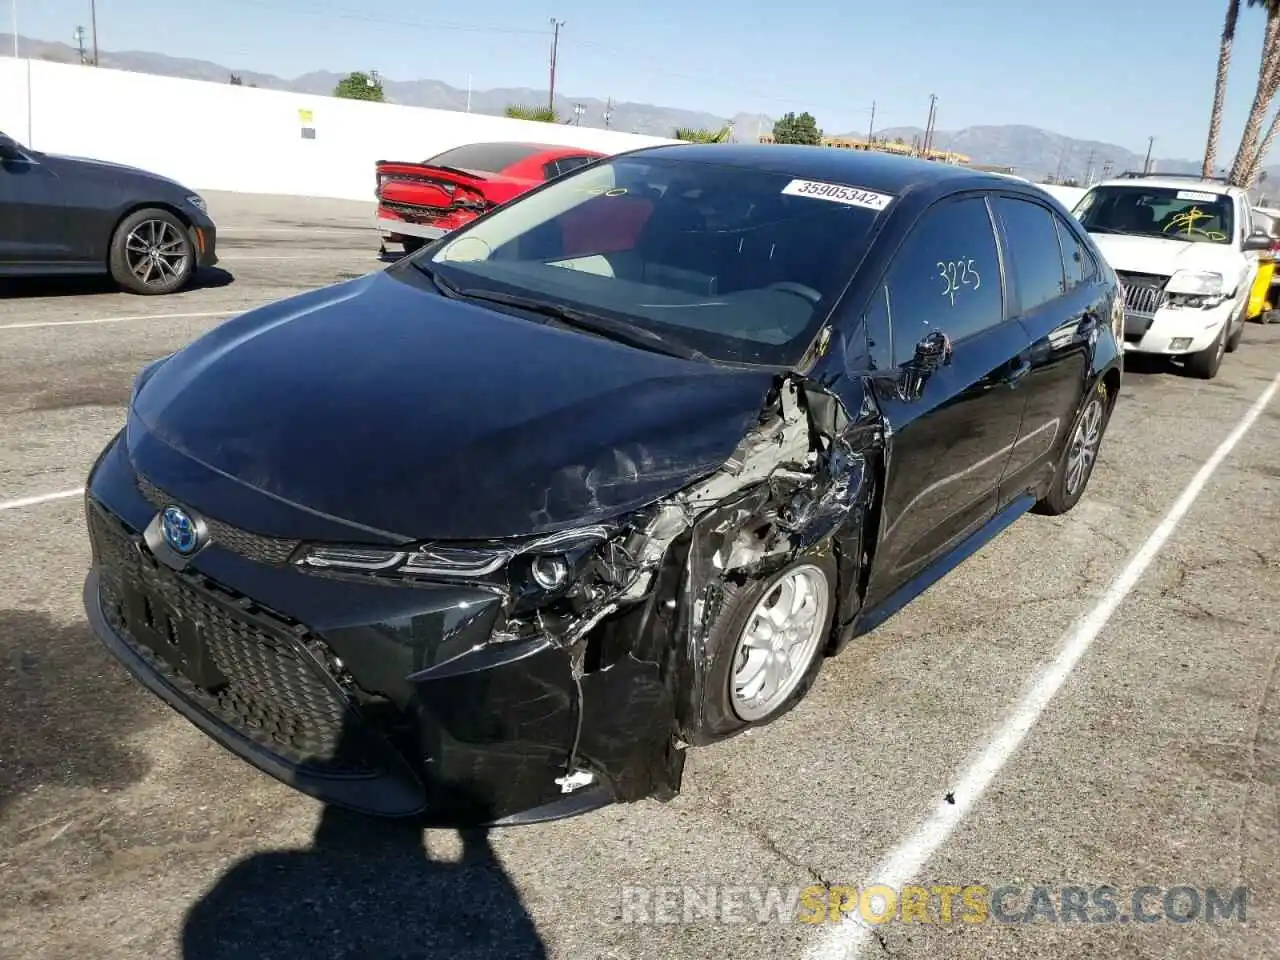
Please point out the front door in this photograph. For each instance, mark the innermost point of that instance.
(951, 435)
(33, 221)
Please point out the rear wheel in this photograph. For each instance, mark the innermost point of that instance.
(1205, 364)
(152, 253)
(1075, 468)
(412, 245)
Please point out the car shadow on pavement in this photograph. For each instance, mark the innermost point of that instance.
(365, 888)
(207, 278)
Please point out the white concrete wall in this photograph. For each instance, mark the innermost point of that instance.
(213, 136)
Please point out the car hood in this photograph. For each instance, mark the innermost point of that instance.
(63, 162)
(411, 416)
(1165, 257)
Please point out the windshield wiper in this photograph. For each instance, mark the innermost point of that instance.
(589, 322)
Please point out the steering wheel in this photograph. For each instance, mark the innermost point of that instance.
(799, 289)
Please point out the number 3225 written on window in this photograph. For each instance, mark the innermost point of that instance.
(956, 275)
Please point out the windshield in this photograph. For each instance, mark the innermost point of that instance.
(740, 265)
(1166, 212)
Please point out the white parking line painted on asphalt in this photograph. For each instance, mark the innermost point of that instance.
(149, 316)
(847, 939)
(39, 499)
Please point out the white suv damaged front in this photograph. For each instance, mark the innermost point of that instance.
(1182, 252)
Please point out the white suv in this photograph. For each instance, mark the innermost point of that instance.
(1186, 252)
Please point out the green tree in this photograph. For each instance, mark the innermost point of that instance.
(359, 86)
(802, 129)
(702, 136)
(517, 111)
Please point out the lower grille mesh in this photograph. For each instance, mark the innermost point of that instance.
(266, 684)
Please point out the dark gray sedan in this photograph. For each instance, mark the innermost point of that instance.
(72, 216)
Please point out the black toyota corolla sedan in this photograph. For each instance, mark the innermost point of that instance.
(63, 216)
(494, 535)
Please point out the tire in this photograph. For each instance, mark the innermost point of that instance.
(1068, 488)
(152, 253)
(1205, 364)
(1233, 341)
(726, 713)
(413, 245)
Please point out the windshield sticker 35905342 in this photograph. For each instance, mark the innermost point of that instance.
(837, 193)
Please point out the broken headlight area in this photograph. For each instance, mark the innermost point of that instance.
(547, 582)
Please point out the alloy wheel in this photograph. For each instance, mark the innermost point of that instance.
(1084, 446)
(779, 642)
(156, 252)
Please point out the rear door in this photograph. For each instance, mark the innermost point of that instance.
(950, 438)
(1055, 293)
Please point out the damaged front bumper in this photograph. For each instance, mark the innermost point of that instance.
(450, 695)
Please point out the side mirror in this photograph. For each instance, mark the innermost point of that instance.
(1258, 241)
(932, 352)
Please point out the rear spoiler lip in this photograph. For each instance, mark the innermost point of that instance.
(406, 166)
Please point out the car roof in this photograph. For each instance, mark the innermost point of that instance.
(1173, 183)
(869, 169)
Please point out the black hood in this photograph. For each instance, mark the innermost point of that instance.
(105, 169)
(384, 406)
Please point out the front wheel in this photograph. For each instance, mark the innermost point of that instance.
(1205, 364)
(768, 643)
(152, 253)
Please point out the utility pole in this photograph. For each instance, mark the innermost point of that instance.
(928, 127)
(555, 48)
(608, 113)
(871, 127)
(1088, 170)
(15, 29)
(1146, 164)
(578, 110)
(468, 93)
(79, 38)
(93, 13)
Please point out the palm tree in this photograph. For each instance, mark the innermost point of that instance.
(702, 136)
(543, 114)
(1220, 89)
(1268, 82)
(1255, 171)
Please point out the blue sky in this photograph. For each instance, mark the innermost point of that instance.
(1101, 69)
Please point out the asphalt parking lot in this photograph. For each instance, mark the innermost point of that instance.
(124, 833)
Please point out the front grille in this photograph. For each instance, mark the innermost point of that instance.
(1143, 292)
(257, 672)
(252, 546)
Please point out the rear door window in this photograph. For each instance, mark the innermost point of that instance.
(1078, 264)
(1035, 256)
(945, 277)
(485, 157)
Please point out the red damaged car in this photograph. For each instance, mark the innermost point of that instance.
(418, 202)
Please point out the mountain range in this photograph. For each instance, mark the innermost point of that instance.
(1033, 152)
